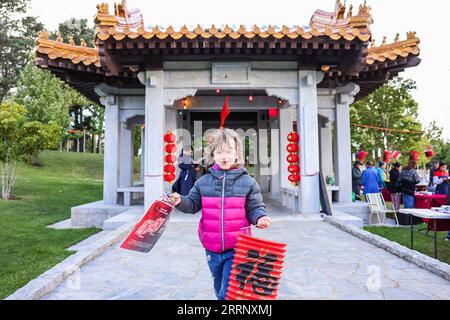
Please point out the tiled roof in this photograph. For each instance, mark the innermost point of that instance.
(56, 49)
(126, 23)
(392, 51)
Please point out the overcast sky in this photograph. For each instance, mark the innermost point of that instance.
(428, 18)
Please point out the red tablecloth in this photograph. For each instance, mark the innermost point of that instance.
(424, 201)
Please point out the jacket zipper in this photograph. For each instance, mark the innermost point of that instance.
(223, 209)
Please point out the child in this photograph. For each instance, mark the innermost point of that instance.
(230, 201)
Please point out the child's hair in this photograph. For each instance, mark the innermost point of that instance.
(218, 138)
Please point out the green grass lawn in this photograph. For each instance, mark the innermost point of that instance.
(27, 247)
(422, 242)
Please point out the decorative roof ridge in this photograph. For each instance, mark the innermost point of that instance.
(58, 49)
(129, 24)
(337, 18)
(392, 51)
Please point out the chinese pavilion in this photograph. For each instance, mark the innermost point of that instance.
(162, 79)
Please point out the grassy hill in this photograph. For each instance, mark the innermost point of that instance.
(27, 247)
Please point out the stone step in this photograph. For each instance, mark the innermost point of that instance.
(348, 218)
(121, 219)
(357, 209)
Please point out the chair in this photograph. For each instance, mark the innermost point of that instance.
(377, 205)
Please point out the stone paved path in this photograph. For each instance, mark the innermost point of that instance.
(322, 262)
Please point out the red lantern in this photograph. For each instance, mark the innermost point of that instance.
(273, 113)
(387, 156)
(170, 158)
(170, 138)
(294, 178)
(429, 152)
(169, 168)
(292, 158)
(171, 148)
(293, 168)
(292, 148)
(362, 155)
(169, 177)
(414, 155)
(293, 137)
(257, 268)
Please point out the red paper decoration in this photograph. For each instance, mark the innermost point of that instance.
(387, 156)
(171, 148)
(414, 155)
(292, 158)
(257, 268)
(429, 153)
(362, 155)
(396, 155)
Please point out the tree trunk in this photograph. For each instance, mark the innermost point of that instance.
(8, 178)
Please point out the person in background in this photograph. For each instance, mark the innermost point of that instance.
(188, 175)
(433, 169)
(440, 179)
(394, 186)
(370, 179)
(408, 181)
(356, 179)
(381, 169)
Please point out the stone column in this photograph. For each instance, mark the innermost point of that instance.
(112, 150)
(142, 154)
(154, 140)
(126, 155)
(326, 148)
(308, 129)
(275, 188)
(344, 98)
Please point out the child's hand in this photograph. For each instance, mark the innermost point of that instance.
(264, 222)
(177, 198)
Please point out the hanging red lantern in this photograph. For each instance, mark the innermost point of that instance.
(414, 155)
(169, 177)
(387, 156)
(170, 138)
(292, 148)
(429, 152)
(362, 155)
(293, 158)
(171, 158)
(293, 137)
(293, 168)
(294, 178)
(169, 168)
(171, 148)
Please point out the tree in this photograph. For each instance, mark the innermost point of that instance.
(391, 106)
(20, 140)
(47, 99)
(17, 37)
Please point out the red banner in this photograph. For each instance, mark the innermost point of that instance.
(148, 231)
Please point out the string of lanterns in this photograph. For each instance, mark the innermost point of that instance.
(171, 158)
(293, 158)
